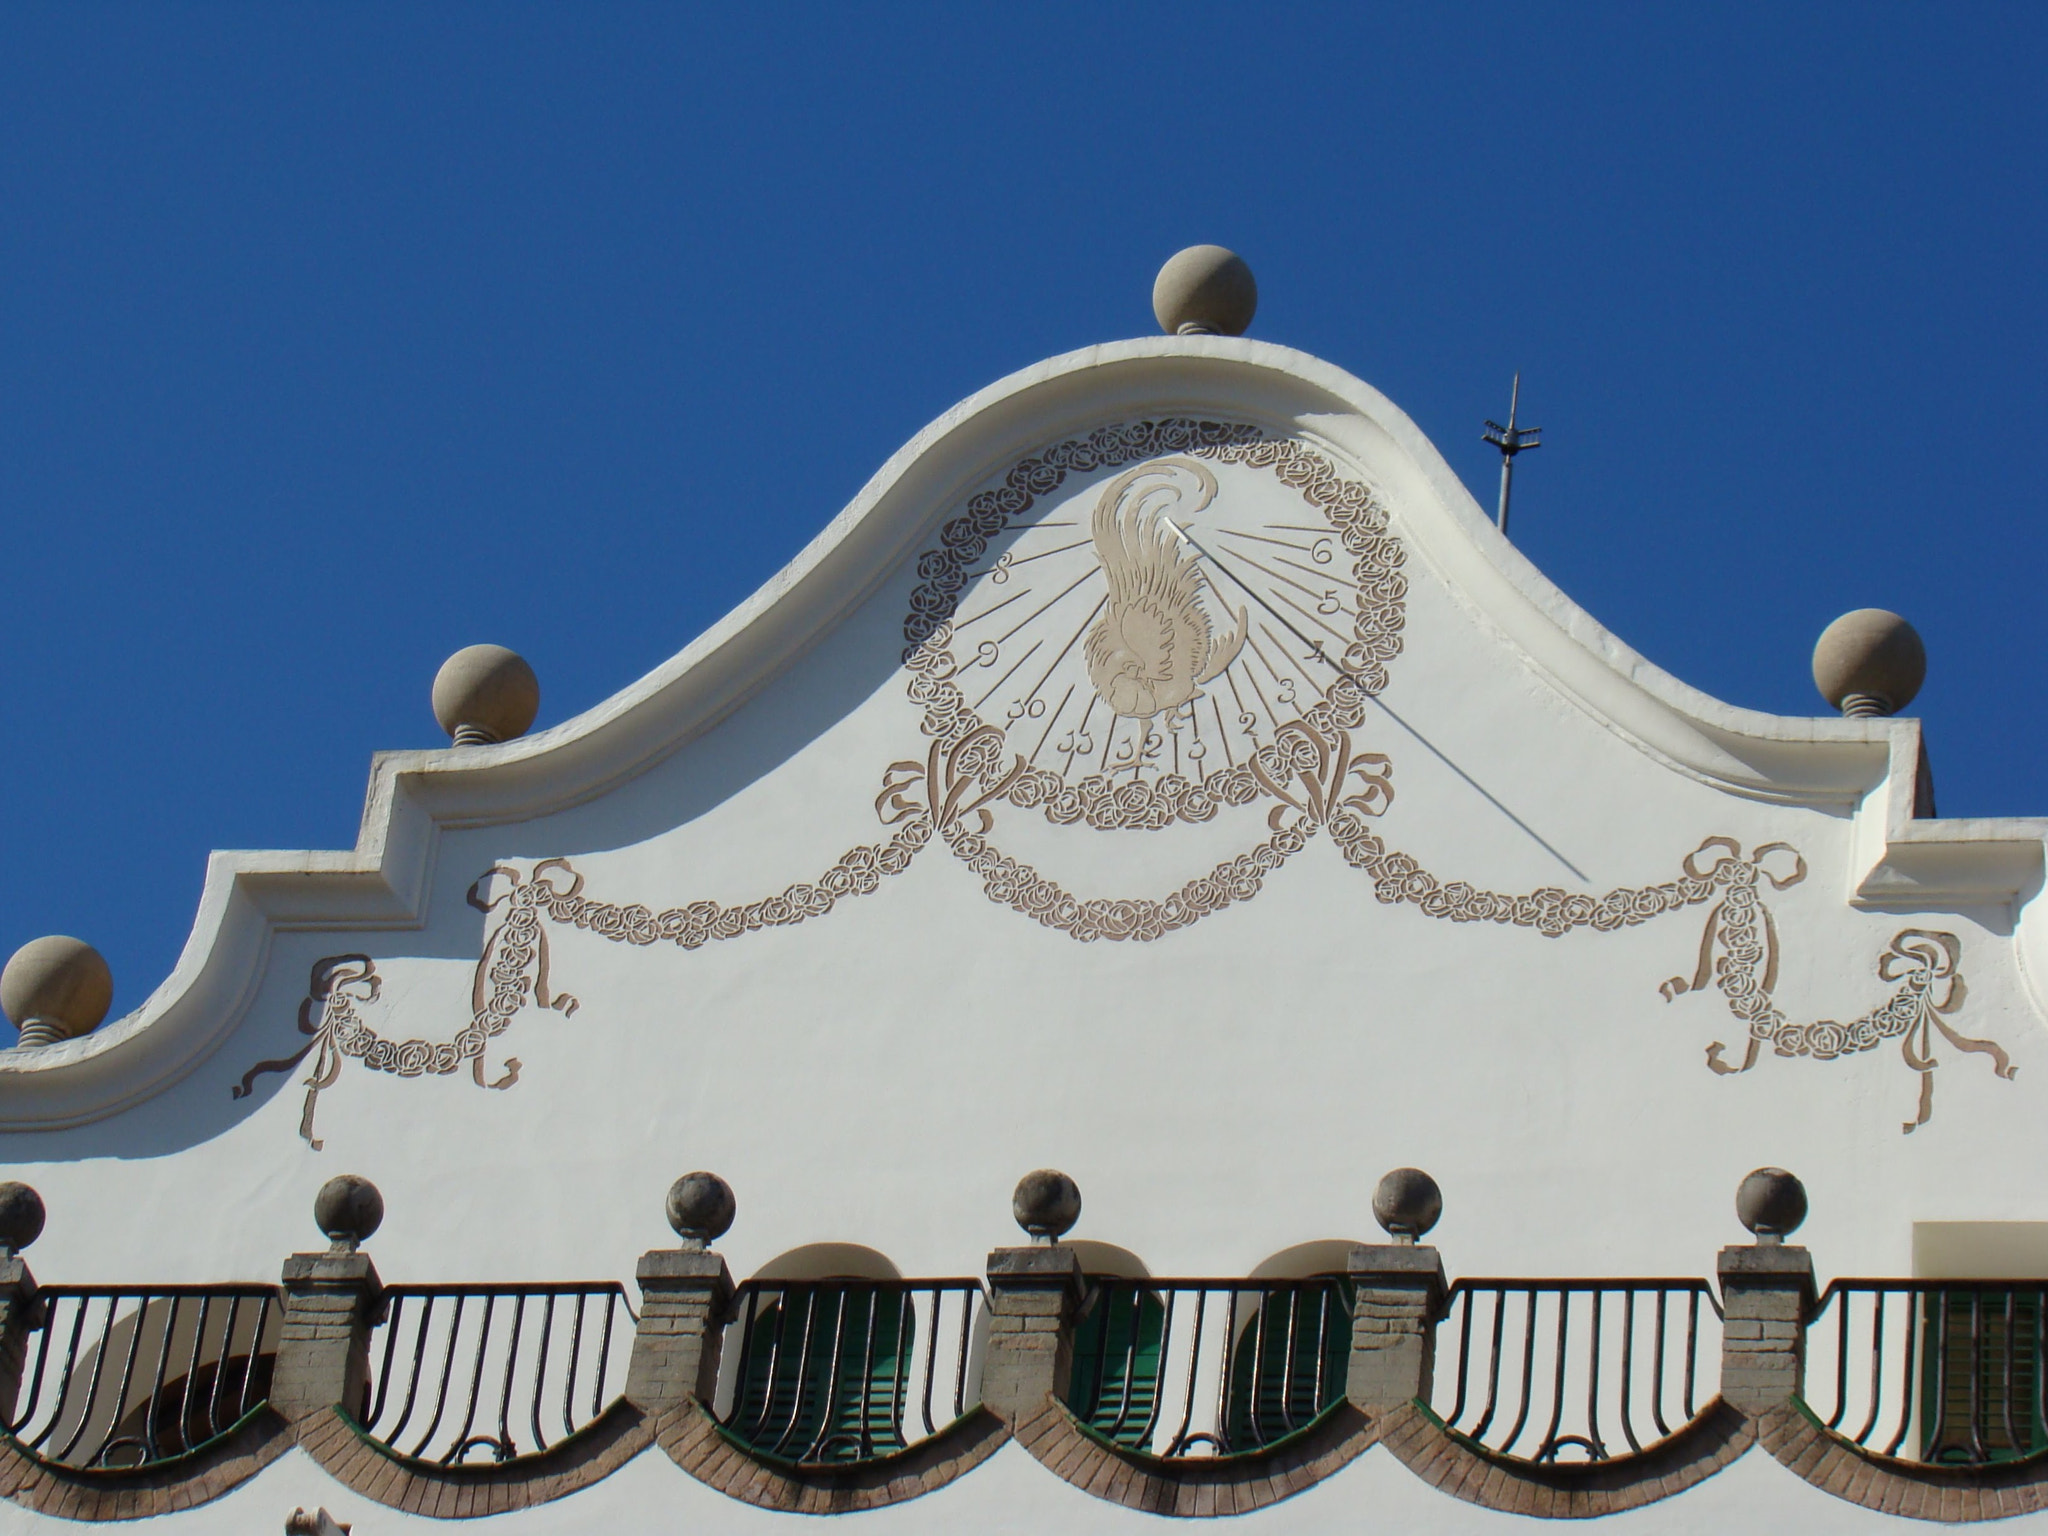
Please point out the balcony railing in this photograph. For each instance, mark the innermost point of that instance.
(1182, 1368)
(1945, 1371)
(1576, 1370)
(823, 1372)
(473, 1372)
(127, 1376)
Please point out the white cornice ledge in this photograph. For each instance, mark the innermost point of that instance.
(250, 897)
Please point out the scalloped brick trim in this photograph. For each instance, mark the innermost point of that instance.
(1895, 1487)
(75, 1493)
(379, 1474)
(1233, 1485)
(692, 1438)
(1565, 1491)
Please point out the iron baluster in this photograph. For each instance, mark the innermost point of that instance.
(1158, 1396)
(1692, 1352)
(1464, 1358)
(540, 1373)
(1906, 1394)
(1657, 1368)
(970, 1301)
(1876, 1364)
(185, 1440)
(575, 1358)
(1500, 1317)
(447, 1370)
(931, 1358)
(1187, 1415)
(1223, 1381)
(1528, 1374)
(1628, 1367)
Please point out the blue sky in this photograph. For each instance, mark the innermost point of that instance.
(336, 337)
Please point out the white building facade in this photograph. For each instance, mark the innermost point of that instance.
(1165, 773)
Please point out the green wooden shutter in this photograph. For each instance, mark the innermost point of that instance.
(1275, 1387)
(1115, 1385)
(808, 1404)
(2009, 1423)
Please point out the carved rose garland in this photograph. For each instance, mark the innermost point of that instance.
(1158, 663)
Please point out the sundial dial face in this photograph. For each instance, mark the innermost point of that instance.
(1148, 622)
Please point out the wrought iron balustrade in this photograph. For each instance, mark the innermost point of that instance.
(1947, 1371)
(469, 1371)
(829, 1371)
(1554, 1370)
(126, 1376)
(1180, 1368)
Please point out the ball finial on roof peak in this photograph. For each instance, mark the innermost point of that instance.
(56, 988)
(1205, 291)
(485, 694)
(1869, 662)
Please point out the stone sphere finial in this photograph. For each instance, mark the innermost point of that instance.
(349, 1209)
(1870, 662)
(701, 1208)
(1047, 1204)
(21, 1216)
(1407, 1203)
(1771, 1203)
(485, 694)
(56, 988)
(1205, 291)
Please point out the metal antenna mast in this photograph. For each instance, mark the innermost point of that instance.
(1510, 440)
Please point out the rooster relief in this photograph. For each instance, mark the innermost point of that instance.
(1159, 638)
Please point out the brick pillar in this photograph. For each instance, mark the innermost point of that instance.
(1767, 1296)
(1034, 1298)
(684, 1294)
(21, 1315)
(1400, 1290)
(331, 1302)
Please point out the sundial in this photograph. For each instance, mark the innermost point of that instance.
(1140, 632)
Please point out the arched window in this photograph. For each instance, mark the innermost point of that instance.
(819, 1353)
(1181, 1368)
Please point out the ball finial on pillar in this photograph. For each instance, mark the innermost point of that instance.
(1205, 291)
(56, 988)
(1772, 1204)
(701, 1208)
(1407, 1204)
(485, 694)
(21, 1216)
(349, 1209)
(1870, 662)
(1046, 1204)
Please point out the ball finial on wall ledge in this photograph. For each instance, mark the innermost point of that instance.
(1205, 291)
(1869, 662)
(55, 989)
(485, 694)
(1046, 1204)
